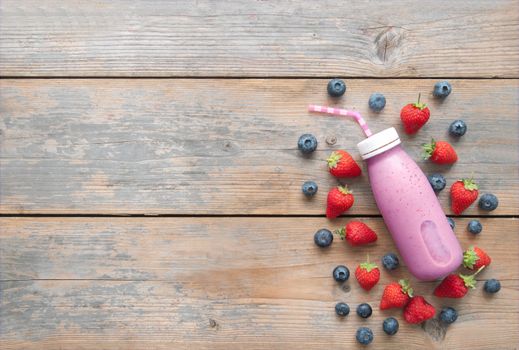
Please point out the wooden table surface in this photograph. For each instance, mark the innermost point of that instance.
(150, 180)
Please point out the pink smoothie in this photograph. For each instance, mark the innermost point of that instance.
(410, 209)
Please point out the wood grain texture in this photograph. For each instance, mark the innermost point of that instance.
(225, 283)
(203, 146)
(258, 39)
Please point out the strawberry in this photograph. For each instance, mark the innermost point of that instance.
(456, 286)
(474, 258)
(396, 295)
(414, 116)
(341, 164)
(357, 233)
(367, 275)
(440, 152)
(418, 310)
(339, 200)
(464, 192)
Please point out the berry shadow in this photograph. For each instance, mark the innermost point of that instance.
(307, 156)
(324, 250)
(337, 102)
(454, 139)
(472, 237)
(343, 318)
(435, 102)
(489, 296)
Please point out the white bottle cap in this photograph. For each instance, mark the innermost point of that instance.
(378, 143)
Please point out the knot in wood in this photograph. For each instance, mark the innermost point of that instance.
(331, 140)
(388, 43)
(435, 329)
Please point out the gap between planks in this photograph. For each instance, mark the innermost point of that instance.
(94, 215)
(21, 77)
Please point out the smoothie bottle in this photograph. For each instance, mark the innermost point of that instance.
(410, 208)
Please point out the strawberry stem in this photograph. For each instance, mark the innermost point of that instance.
(368, 266)
(406, 288)
(428, 149)
(344, 189)
(470, 281)
(333, 159)
(470, 258)
(479, 270)
(341, 232)
(469, 184)
(419, 104)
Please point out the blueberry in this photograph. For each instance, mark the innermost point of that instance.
(451, 222)
(341, 273)
(442, 89)
(342, 309)
(364, 335)
(390, 261)
(492, 286)
(448, 315)
(364, 310)
(309, 188)
(458, 128)
(323, 238)
(336, 88)
(307, 143)
(390, 325)
(377, 102)
(474, 227)
(488, 202)
(437, 182)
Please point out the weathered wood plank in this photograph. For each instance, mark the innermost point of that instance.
(225, 283)
(226, 146)
(243, 38)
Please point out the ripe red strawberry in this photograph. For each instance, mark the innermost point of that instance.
(396, 295)
(418, 310)
(367, 274)
(456, 286)
(341, 164)
(464, 192)
(339, 200)
(414, 116)
(357, 233)
(474, 258)
(440, 152)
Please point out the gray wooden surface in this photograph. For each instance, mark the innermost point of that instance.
(223, 283)
(215, 146)
(209, 138)
(259, 38)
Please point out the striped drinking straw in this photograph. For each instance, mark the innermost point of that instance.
(343, 112)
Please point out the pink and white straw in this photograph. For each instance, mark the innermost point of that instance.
(343, 112)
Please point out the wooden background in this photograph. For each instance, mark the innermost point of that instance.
(150, 181)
